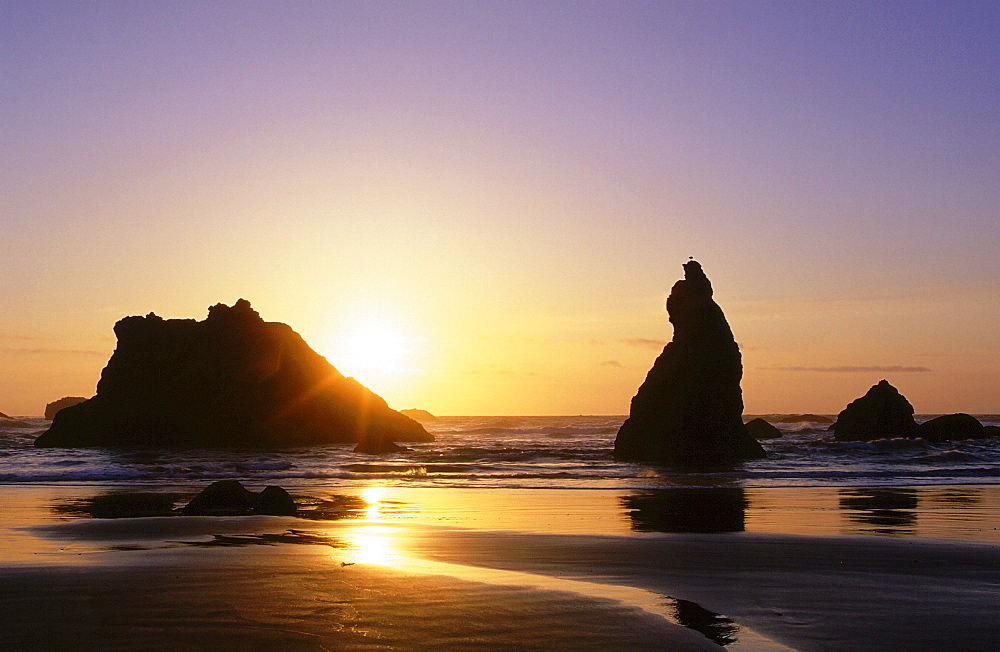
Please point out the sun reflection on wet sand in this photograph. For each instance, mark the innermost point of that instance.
(374, 544)
(385, 545)
(373, 496)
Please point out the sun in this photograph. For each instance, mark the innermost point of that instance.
(372, 349)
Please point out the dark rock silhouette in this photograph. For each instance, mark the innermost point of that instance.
(689, 409)
(229, 380)
(880, 414)
(760, 429)
(952, 426)
(230, 498)
(4, 416)
(64, 402)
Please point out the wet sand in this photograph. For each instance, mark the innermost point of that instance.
(416, 570)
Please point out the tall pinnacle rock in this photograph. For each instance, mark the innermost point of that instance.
(689, 409)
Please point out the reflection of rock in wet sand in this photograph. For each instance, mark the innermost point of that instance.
(715, 509)
(958, 497)
(889, 509)
(715, 627)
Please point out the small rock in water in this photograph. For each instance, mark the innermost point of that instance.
(760, 429)
(952, 426)
(881, 413)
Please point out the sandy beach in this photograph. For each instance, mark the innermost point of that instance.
(432, 568)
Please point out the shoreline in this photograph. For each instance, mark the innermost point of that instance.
(968, 512)
(584, 569)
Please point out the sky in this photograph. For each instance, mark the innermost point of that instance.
(480, 207)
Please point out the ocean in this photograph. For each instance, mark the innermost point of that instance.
(536, 452)
(822, 545)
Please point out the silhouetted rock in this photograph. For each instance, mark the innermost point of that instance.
(4, 416)
(230, 380)
(880, 414)
(275, 501)
(222, 498)
(991, 431)
(419, 415)
(230, 498)
(800, 418)
(64, 402)
(760, 429)
(952, 426)
(17, 423)
(689, 409)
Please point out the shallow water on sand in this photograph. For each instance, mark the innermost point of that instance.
(543, 552)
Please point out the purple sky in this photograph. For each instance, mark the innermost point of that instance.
(515, 185)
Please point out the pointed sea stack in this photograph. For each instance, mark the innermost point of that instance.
(232, 380)
(881, 413)
(689, 410)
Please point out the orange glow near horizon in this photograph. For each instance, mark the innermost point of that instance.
(481, 211)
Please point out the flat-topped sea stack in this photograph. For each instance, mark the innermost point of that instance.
(231, 380)
(64, 402)
(688, 412)
(882, 413)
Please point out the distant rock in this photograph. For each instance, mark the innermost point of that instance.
(800, 418)
(991, 431)
(880, 414)
(231, 380)
(689, 410)
(760, 429)
(4, 416)
(419, 415)
(65, 402)
(17, 423)
(230, 498)
(952, 426)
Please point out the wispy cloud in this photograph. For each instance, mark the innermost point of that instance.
(612, 363)
(851, 370)
(642, 342)
(22, 338)
(46, 351)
